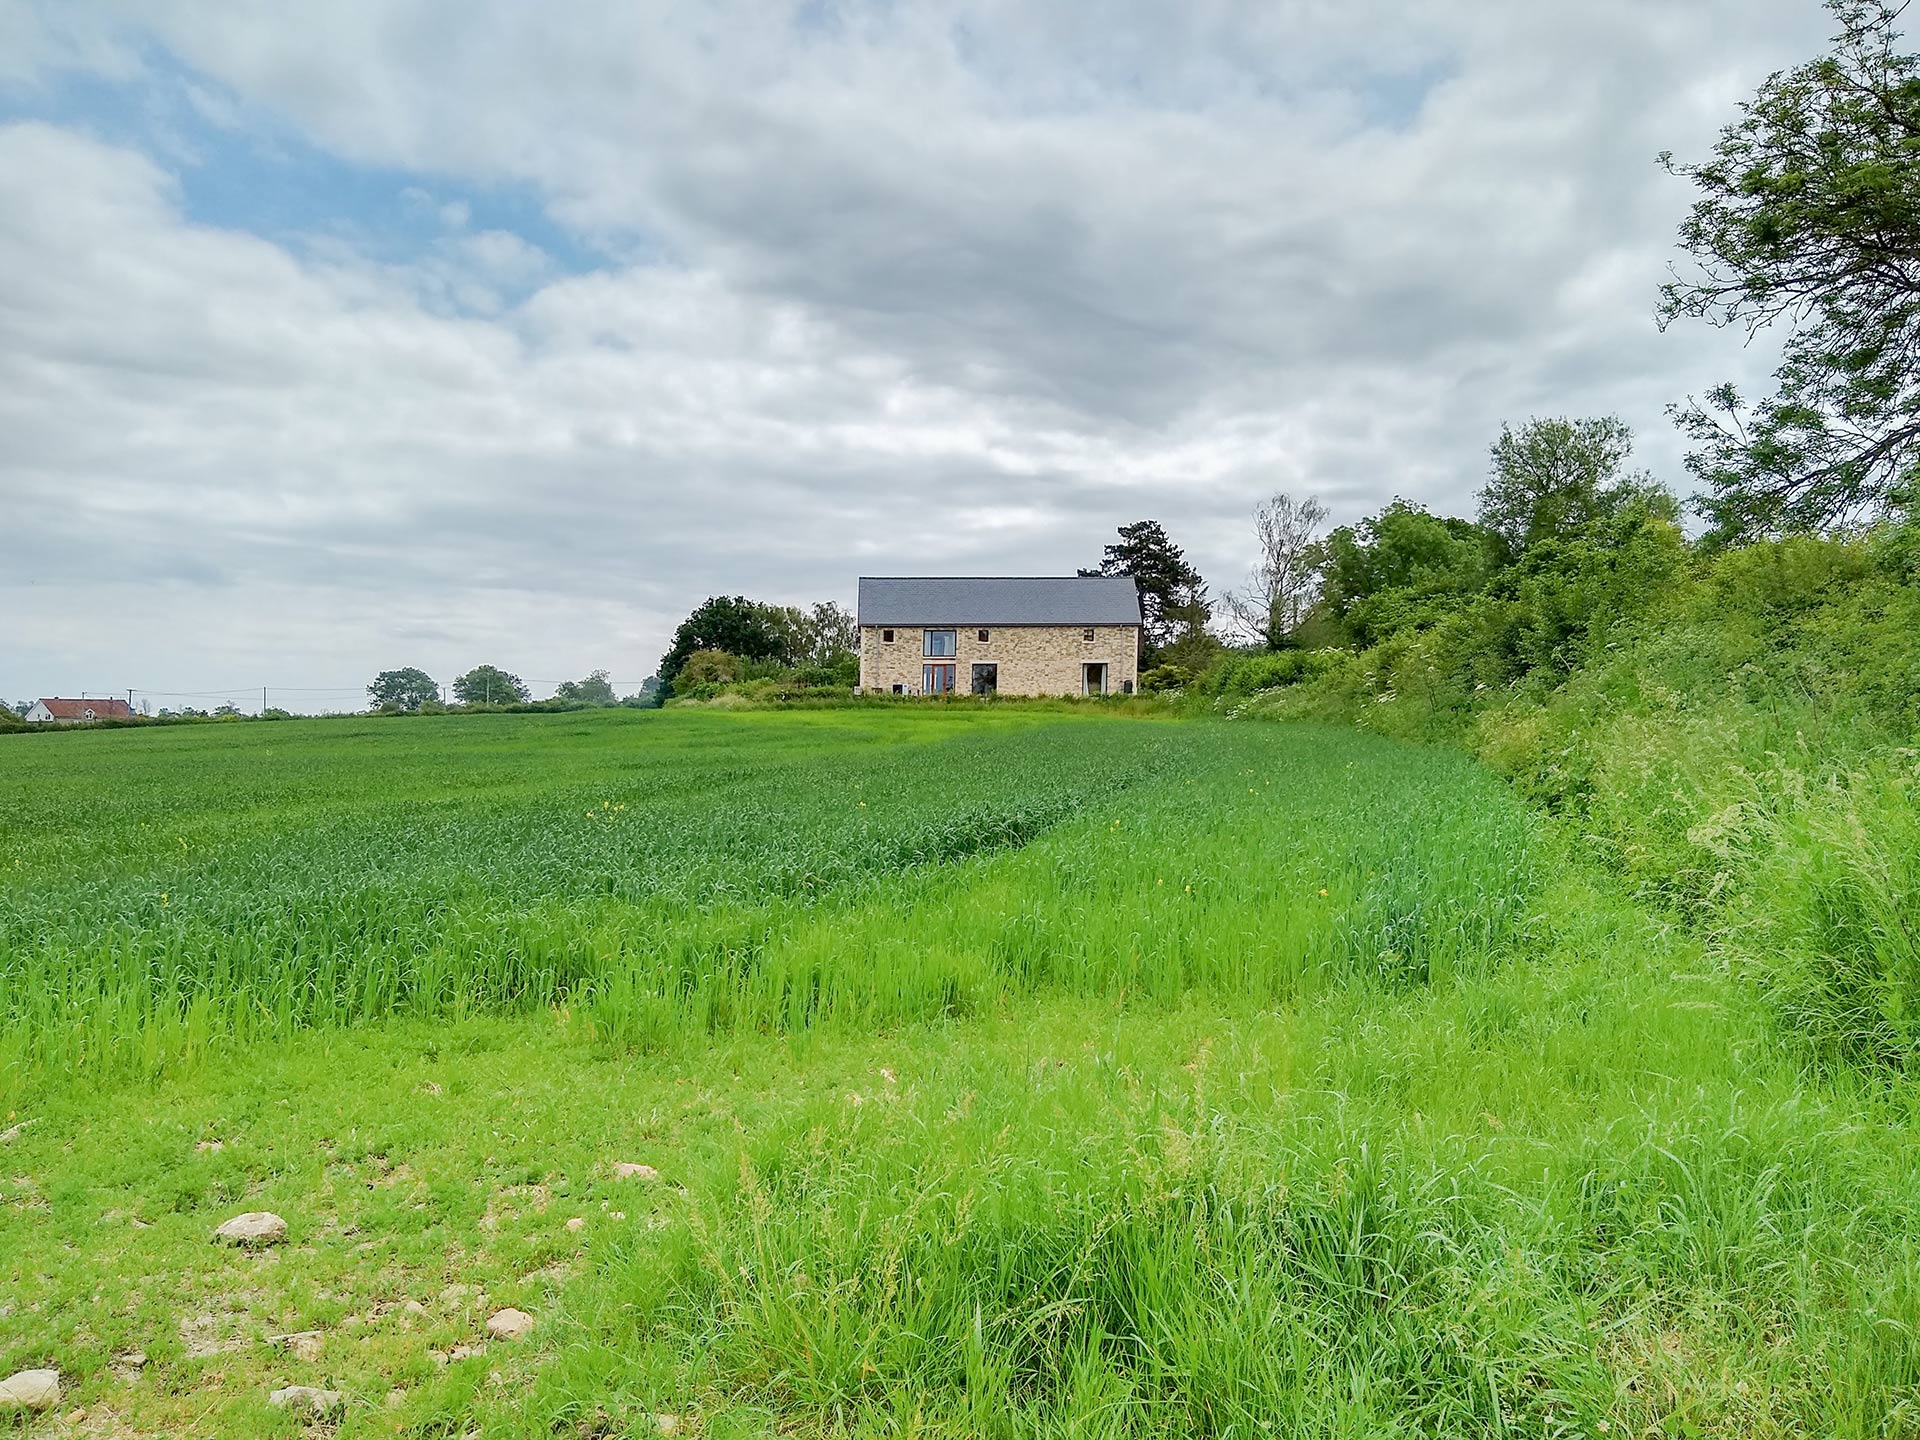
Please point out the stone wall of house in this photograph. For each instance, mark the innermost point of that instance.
(1032, 659)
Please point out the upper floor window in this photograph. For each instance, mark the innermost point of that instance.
(1087, 635)
(985, 636)
(887, 636)
(939, 644)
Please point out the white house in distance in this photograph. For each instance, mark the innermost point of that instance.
(76, 712)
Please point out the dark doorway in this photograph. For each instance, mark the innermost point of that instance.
(986, 679)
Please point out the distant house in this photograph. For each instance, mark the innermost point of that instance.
(76, 712)
(1031, 635)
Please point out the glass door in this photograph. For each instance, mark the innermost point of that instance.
(937, 679)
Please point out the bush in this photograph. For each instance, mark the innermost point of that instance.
(1161, 678)
(707, 669)
(1268, 670)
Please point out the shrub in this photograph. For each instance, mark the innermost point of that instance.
(1161, 678)
(1246, 674)
(706, 668)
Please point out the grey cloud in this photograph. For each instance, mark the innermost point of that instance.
(986, 283)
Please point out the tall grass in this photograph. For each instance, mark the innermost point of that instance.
(667, 875)
(1737, 742)
(1009, 1074)
(1579, 1196)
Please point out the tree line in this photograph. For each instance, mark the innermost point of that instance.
(410, 690)
(1807, 218)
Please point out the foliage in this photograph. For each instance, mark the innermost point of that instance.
(1279, 593)
(596, 689)
(719, 675)
(732, 623)
(1809, 217)
(1552, 480)
(1732, 733)
(1158, 679)
(406, 689)
(1248, 674)
(826, 634)
(1400, 570)
(1169, 586)
(708, 667)
(785, 636)
(490, 685)
(648, 696)
(1191, 643)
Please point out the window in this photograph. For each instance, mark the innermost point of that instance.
(986, 679)
(937, 679)
(886, 637)
(939, 645)
(1086, 635)
(985, 636)
(899, 689)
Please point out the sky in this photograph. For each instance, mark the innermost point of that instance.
(336, 338)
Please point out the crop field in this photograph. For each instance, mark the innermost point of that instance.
(1023, 1072)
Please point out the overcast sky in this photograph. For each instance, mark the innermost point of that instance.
(342, 336)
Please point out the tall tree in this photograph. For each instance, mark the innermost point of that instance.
(1159, 567)
(1192, 645)
(596, 689)
(1553, 479)
(1401, 570)
(1809, 215)
(731, 623)
(1285, 578)
(490, 685)
(827, 633)
(405, 689)
(648, 696)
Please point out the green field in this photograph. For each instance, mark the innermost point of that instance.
(1016, 1073)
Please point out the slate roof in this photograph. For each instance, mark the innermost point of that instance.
(999, 600)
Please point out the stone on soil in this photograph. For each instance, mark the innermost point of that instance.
(256, 1227)
(33, 1390)
(306, 1400)
(305, 1344)
(509, 1324)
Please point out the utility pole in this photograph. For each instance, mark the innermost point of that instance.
(263, 699)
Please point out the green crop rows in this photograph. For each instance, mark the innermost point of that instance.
(210, 886)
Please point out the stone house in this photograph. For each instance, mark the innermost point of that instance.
(1020, 635)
